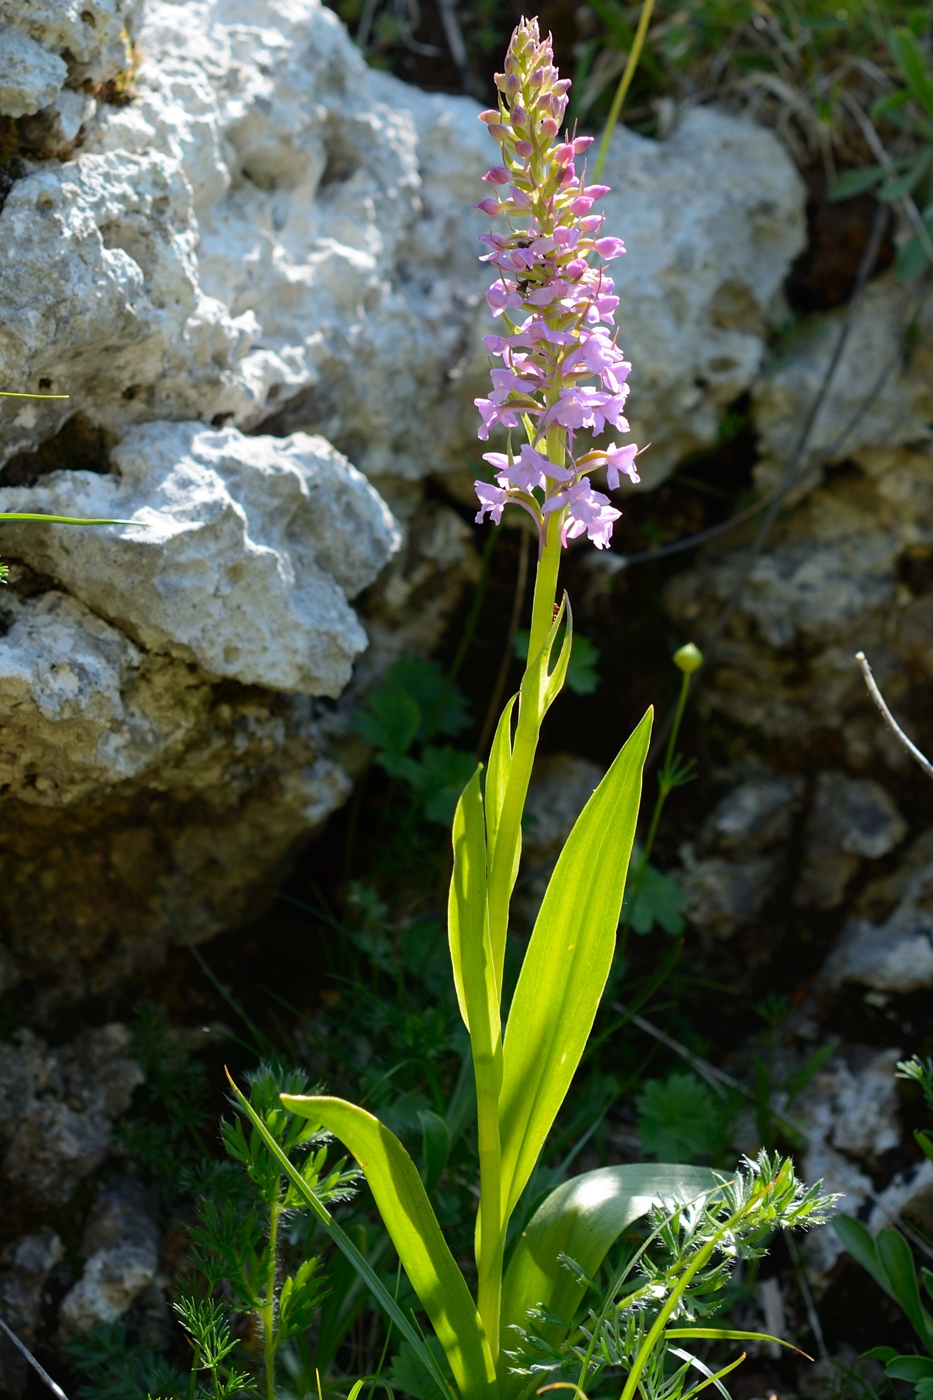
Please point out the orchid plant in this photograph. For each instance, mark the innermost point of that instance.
(560, 373)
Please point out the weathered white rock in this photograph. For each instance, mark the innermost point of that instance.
(712, 219)
(269, 228)
(30, 76)
(895, 955)
(875, 356)
(850, 820)
(241, 557)
(827, 585)
(91, 35)
(111, 1279)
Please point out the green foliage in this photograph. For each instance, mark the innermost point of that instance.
(164, 1132)
(668, 1289)
(657, 901)
(910, 110)
(583, 668)
(680, 1120)
(114, 1368)
(411, 706)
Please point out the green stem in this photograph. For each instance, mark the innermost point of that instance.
(702, 1258)
(625, 83)
(504, 858)
(268, 1311)
(665, 788)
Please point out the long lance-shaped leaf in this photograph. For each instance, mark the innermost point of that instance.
(497, 774)
(63, 519)
(566, 966)
(407, 1214)
(581, 1219)
(730, 1334)
(346, 1246)
(478, 993)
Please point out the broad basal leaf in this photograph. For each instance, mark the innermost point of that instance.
(582, 1219)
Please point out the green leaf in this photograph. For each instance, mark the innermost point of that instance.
(912, 258)
(390, 722)
(882, 1354)
(442, 704)
(408, 1374)
(581, 1220)
(467, 917)
(438, 779)
(343, 1242)
(435, 1143)
(679, 1119)
(910, 1368)
(728, 1334)
(860, 1243)
(909, 58)
(566, 966)
(659, 900)
(853, 182)
(406, 1212)
(895, 189)
(60, 519)
(924, 1140)
(582, 673)
(898, 1263)
(497, 777)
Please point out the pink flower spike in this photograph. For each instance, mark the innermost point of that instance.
(498, 175)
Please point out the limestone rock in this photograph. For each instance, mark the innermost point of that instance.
(90, 36)
(57, 1107)
(121, 1249)
(851, 819)
(755, 815)
(269, 233)
(712, 219)
(26, 1266)
(722, 895)
(902, 411)
(240, 558)
(833, 580)
(30, 76)
(894, 955)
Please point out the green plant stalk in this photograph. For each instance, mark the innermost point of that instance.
(502, 859)
(268, 1311)
(702, 1258)
(487, 1057)
(625, 83)
(665, 788)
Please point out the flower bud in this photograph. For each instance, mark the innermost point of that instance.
(549, 128)
(492, 207)
(688, 658)
(490, 116)
(519, 115)
(523, 149)
(513, 85)
(498, 175)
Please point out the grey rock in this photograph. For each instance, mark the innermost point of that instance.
(241, 555)
(30, 76)
(57, 1108)
(26, 1266)
(851, 819)
(121, 1248)
(755, 816)
(111, 1279)
(895, 955)
(723, 895)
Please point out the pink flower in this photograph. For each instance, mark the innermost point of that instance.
(561, 370)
